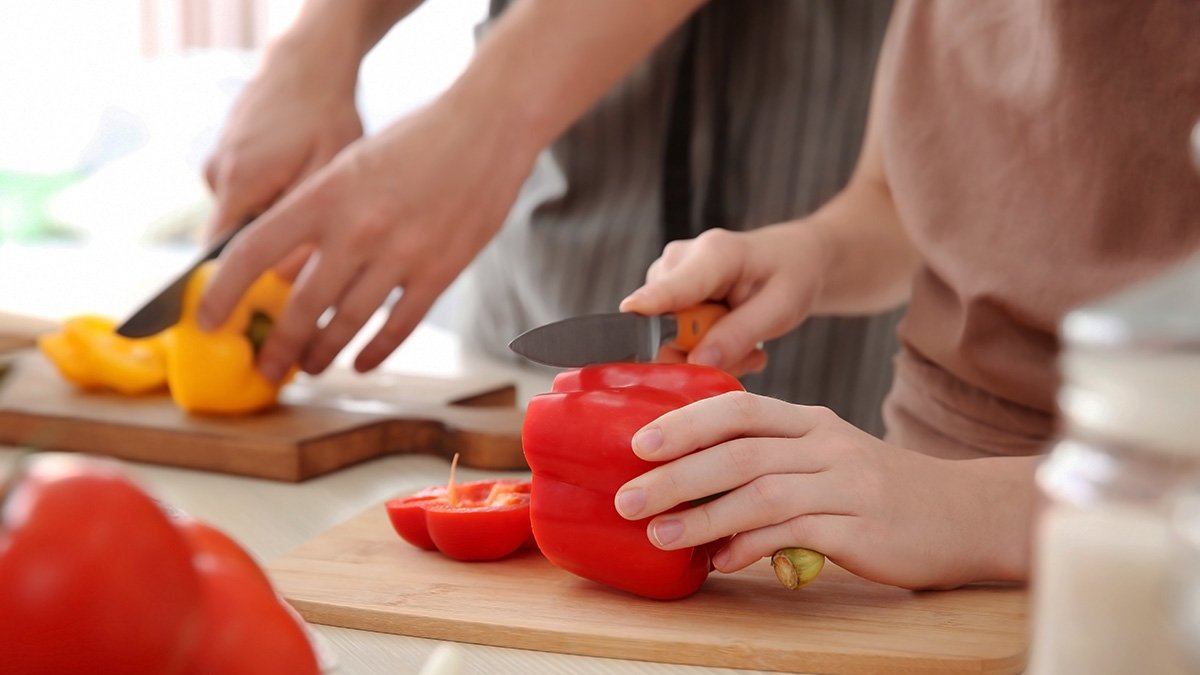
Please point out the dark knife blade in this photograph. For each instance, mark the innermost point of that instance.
(164, 309)
(596, 338)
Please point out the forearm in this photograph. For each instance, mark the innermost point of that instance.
(545, 62)
(333, 36)
(1008, 498)
(868, 259)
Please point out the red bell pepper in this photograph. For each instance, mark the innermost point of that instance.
(577, 440)
(482, 520)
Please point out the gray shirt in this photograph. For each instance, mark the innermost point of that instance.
(764, 104)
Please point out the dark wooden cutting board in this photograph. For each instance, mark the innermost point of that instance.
(321, 425)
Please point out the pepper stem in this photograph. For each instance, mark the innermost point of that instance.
(258, 329)
(795, 566)
(451, 493)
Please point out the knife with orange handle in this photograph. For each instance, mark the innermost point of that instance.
(618, 336)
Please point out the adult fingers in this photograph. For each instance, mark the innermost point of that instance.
(404, 316)
(263, 244)
(366, 295)
(289, 268)
(331, 276)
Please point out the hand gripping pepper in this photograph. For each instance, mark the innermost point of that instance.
(215, 372)
(577, 440)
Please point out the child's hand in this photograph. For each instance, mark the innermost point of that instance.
(801, 476)
(769, 278)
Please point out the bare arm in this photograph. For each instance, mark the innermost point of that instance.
(412, 205)
(547, 61)
(299, 110)
(868, 259)
(341, 31)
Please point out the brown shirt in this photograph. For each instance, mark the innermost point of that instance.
(1038, 154)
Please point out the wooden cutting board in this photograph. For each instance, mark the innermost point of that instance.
(361, 575)
(322, 424)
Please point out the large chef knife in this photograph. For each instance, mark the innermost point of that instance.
(164, 309)
(618, 336)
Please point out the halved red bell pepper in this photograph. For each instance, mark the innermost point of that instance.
(577, 440)
(481, 520)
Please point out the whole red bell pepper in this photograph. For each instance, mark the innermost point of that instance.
(477, 521)
(577, 440)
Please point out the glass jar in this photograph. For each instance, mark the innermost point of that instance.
(1103, 585)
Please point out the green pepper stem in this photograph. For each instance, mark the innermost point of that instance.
(258, 329)
(795, 566)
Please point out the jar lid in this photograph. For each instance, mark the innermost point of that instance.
(1158, 315)
(1131, 364)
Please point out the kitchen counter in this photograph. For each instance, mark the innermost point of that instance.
(270, 518)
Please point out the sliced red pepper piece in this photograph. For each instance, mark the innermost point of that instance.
(477, 521)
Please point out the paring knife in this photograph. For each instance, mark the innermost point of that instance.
(618, 336)
(164, 309)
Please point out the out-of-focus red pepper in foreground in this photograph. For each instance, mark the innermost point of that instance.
(96, 578)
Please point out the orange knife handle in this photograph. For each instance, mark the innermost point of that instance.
(694, 322)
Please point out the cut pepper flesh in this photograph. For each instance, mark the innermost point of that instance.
(476, 521)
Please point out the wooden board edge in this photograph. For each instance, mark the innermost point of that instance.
(204, 452)
(501, 396)
(623, 647)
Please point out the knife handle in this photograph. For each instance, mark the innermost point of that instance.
(692, 323)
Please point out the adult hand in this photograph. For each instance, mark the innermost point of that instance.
(408, 208)
(292, 118)
(800, 476)
(769, 278)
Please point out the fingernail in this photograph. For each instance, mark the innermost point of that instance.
(631, 502)
(665, 531)
(709, 356)
(721, 558)
(646, 441)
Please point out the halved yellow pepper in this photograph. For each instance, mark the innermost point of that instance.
(88, 352)
(215, 372)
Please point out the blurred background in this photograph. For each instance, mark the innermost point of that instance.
(109, 109)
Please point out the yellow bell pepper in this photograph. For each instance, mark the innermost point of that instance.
(215, 372)
(88, 352)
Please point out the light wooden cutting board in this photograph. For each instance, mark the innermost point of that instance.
(361, 575)
(322, 424)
